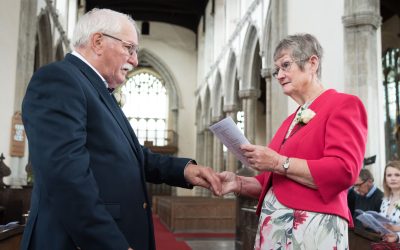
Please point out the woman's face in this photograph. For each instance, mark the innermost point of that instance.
(392, 177)
(289, 75)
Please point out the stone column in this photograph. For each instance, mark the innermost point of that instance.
(200, 158)
(266, 74)
(249, 98)
(231, 160)
(362, 76)
(208, 153)
(25, 62)
(218, 154)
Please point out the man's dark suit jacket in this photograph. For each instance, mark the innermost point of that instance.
(370, 203)
(90, 171)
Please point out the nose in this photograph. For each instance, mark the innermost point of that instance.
(133, 59)
(281, 74)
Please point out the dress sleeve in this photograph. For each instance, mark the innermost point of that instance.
(345, 141)
(261, 178)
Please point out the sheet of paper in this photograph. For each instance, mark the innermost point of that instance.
(230, 135)
(369, 220)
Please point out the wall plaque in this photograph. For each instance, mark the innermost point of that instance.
(17, 140)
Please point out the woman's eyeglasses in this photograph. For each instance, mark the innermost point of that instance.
(285, 66)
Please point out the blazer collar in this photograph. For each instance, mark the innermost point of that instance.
(317, 106)
(109, 101)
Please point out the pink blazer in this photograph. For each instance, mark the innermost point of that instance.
(333, 143)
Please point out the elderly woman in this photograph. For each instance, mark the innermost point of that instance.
(313, 159)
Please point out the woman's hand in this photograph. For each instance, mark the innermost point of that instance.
(262, 158)
(230, 182)
(390, 237)
(392, 227)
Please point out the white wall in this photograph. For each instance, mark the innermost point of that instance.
(176, 47)
(9, 27)
(323, 19)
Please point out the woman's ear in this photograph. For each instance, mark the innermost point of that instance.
(314, 62)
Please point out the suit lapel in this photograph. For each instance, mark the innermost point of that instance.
(111, 103)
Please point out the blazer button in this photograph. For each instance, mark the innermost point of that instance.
(144, 205)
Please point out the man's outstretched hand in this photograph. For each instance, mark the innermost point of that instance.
(203, 176)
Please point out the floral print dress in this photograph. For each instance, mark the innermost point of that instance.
(282, 228)
(394, 216)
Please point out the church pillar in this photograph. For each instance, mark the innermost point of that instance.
(266, 74)
(25, 62)
(208, 149)
(218, 154)
(200, 157)
(362, 55)
(231, 160)
(249, 98)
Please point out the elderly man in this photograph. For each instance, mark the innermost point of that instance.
(364, 194)
(90, 171)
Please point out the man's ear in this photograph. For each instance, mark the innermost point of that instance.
(97, 43)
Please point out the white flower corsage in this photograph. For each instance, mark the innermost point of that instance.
(120, 97)
(305, 116)
(397, 205)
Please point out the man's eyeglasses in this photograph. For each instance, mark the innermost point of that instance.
(132, 48)
(285, 66)
(357, 185)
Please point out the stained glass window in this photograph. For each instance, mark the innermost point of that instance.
(146, 106)
(391, 76)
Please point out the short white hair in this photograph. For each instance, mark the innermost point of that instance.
(99, 20)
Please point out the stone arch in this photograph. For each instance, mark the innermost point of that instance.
(148, 58)
(59, 51)
(251, 43)
(198, 115)
(44, 39)
(274, 29)
(174, 96)
(217, 98)
(231, 84)
(207, 108)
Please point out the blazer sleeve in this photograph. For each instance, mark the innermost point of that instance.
(343, 154)
(165, 169)
(54, 115)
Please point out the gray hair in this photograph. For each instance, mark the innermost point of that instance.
(302, 47)
(366, 175)
(99, 20)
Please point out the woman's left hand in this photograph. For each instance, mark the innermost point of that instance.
(391, 237)
(262, 158)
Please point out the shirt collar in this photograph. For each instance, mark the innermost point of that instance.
(371, 191)
(75, 53)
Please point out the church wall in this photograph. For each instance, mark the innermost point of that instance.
(9, 27)
(323, 19)
(176, 47)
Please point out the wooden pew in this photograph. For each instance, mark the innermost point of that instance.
(11, 239)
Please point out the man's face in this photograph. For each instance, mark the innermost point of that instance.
(362, 187)
(120, 55)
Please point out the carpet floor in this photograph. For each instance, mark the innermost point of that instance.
(165, 240)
